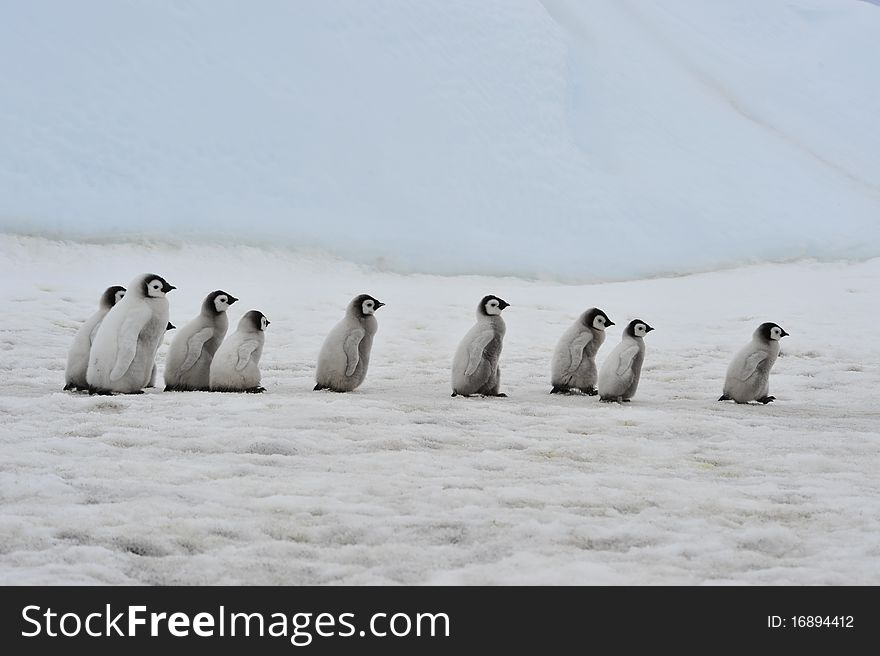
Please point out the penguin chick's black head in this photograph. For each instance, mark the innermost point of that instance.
(154, 284)
(492, 305)
(364, 305)
(255, 320)
(592, 314)
(217, 302)
(638, 328)
(770, 331)
(111, 296)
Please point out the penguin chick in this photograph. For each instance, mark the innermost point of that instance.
(78, 356)
(574, 361)
(345, 354)
(748, 375)
(155, 373)
(236, 364)
(619, 377)
(475, 368)
(124, 350)
(188, 365)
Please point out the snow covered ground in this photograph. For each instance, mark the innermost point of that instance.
(398, 482)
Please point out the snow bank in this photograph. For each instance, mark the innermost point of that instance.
(582, 140)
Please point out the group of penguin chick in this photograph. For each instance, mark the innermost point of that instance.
(114, 352)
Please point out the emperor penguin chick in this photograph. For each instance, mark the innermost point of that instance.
(748, 376)
(619, 377)
(155, 373)
(574, 361)
(124, 350)
(236, 364)
(475, 368)
(345, 354)
(78, 356)
(188, 365)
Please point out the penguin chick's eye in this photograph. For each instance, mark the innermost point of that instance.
(222, 299)
(493, 303)
(369, 303)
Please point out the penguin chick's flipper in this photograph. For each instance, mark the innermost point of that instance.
(724, 397)
(766, 399)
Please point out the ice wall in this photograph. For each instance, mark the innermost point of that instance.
(569, 139)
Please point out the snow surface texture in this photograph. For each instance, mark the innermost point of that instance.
(399, 483)
(573, 139)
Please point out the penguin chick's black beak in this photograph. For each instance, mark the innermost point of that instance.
(231, 300)
(610, 323)
(167, 288)
(170, 326)
(648, 329)
(784, 334)
(503, 304)
(379, 304)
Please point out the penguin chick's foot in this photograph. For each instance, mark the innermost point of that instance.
(100, 392)
(255, 390)
(498, 395)
(69, 387)
(319, 387)
(766, 399)
(558, 390)
(724, 397)
(591, 391)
